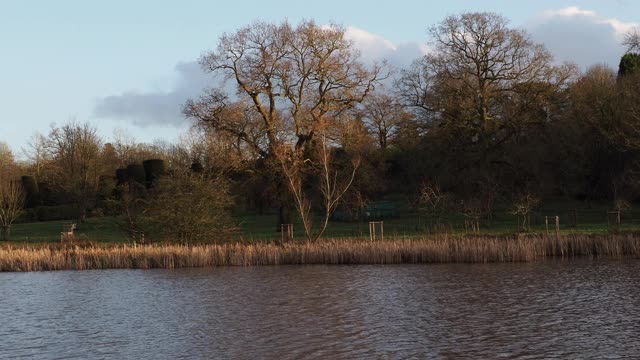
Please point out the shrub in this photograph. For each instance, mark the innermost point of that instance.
(190, 207)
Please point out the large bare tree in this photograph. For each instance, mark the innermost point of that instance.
(478, 69)
(292, 82)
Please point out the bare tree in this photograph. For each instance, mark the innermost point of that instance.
(12, 200)
(609, 104)
(125, 147)
(74, 149)
(632, 40)
(479, 67)
(522, 208)
(291, 82)
(37, 154)
(309, 72)
(7, 161)
(433, 201)
(383, 116)
(332, 185)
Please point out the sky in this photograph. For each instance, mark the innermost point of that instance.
(131, 64)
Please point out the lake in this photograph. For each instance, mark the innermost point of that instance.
(549, 309)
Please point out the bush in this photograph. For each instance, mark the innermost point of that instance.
(190, 207)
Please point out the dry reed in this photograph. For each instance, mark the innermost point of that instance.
(435, 249)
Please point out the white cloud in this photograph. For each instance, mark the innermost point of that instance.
(156, 107)
(569, 11)
(619, 27)
(374, 47)
(581, 36)
(366, 40)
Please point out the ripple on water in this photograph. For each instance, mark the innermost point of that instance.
(553, 309)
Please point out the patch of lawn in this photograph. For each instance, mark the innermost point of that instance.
(102, 229)
(575, 217)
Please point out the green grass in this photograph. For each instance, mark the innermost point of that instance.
(591, 219)
(97, 229)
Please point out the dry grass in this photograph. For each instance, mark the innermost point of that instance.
(436, 249)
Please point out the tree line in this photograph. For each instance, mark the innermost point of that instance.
(486, 116)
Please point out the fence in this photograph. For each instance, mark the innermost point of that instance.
(573, 217)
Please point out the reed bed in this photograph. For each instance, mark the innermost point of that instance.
(433, 249)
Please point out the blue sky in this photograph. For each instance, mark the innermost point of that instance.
(130, 64)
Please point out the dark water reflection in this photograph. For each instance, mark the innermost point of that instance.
(578, 309)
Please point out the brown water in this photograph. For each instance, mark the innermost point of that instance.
(576, 309)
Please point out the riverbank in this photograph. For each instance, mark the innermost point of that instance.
(434, 249)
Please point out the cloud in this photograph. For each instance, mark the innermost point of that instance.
(568, 12)
(156, 107)
(375, 47)
(164, 107)
(581, 36)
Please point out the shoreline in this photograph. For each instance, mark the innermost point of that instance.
(431, 249)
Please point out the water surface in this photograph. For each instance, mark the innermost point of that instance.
(552, 309)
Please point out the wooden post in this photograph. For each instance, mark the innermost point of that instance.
(546, 224)
(557, 226)
(372, 230)
(289, 231)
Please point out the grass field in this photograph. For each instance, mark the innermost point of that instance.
(103, 229)
(590, 219)
(575, 217)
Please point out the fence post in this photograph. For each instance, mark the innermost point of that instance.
(372, 230)
(557, 226)
(289, 229)
(546, 224)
